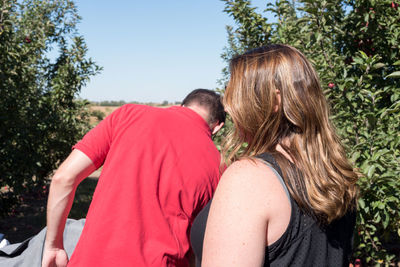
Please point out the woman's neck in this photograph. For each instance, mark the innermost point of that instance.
(280, 149)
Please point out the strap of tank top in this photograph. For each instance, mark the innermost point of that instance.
(269, 164)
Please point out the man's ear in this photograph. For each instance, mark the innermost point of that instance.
(216, 127)
(278, 98)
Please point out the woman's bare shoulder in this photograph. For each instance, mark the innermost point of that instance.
(249, 171)
(252, 181)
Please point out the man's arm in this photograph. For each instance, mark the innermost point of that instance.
(62, 190)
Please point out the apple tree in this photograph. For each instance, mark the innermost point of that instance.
(43, 66)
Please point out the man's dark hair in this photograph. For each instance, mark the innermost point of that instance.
(209, 99)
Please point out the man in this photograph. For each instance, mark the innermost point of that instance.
(160, 168)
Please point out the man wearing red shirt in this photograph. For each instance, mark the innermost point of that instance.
(160, 168)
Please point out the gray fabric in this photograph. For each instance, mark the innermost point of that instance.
(279, 178)
(29, 252)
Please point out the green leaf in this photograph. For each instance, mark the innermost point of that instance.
(371, 171)
(378, 65)
(363, 55)
(395, 74)
(379, 153)
(361, 202)
(355, 156)
(386, 220)
(377, 217)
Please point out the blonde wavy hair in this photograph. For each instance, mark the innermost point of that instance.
(323, 183)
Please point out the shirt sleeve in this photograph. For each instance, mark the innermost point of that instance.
(97, 142)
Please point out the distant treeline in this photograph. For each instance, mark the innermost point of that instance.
(122, 102)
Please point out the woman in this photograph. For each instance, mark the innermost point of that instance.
(289, 198)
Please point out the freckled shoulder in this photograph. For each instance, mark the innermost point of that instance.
(252, 181)
(249, 171)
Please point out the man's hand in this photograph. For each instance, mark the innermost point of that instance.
(54, 258)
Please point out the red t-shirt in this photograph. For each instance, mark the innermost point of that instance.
(160, 169)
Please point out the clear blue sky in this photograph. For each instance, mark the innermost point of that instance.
(154, 50)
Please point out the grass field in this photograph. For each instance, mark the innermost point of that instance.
(102, 111)
(106, 110)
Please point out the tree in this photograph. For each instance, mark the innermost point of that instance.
(43, 67)
(354, 48)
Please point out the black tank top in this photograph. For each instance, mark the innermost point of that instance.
(304, 243)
